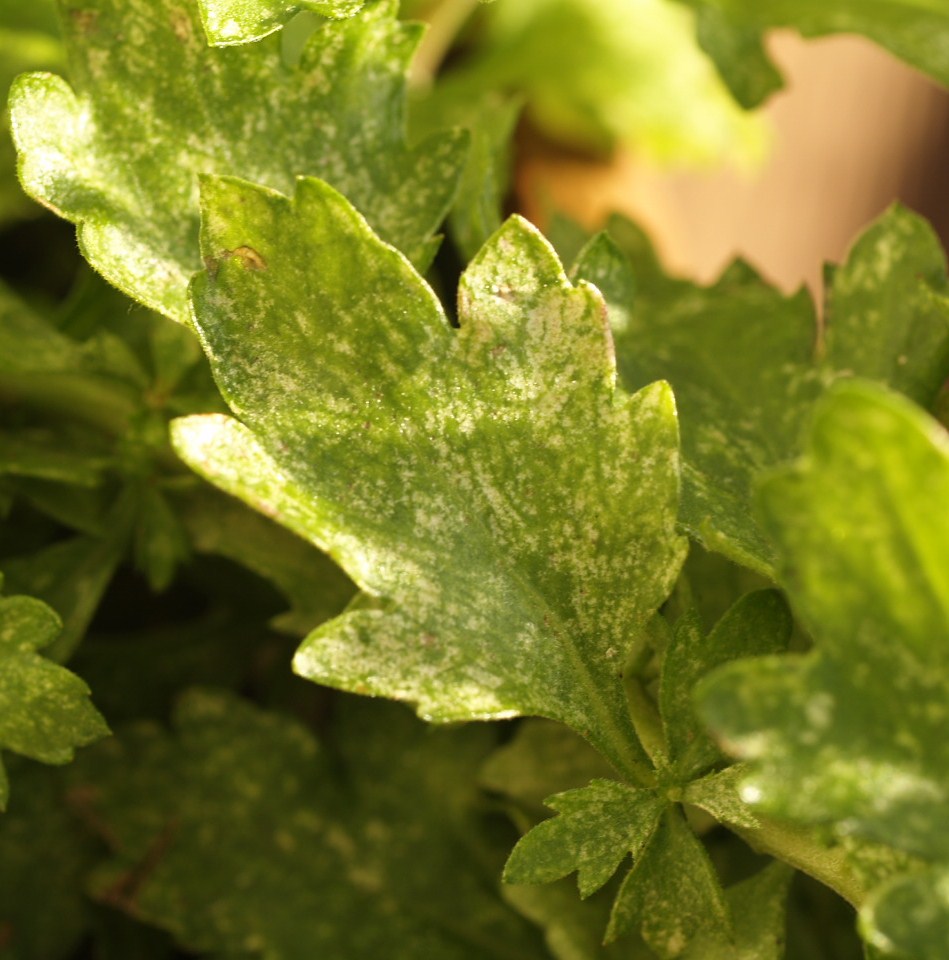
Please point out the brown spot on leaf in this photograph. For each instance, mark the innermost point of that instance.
(250, 259)
(85, 21)
(6, 934)
(181, 25)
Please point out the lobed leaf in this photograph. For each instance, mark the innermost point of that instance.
(757, 906)
(719, 794)
(45, 712)
(72, 576)
(29, 40)
(672, 894)
(854, 733)
(910, 916)
(240, 834)
(573, 928)
(737, 49)
(597, 72)
(45, 857)
(597, 827)
(746, 366)
(511, 511)
(756, 624)
(917, 32)
(543, 758)
(490, 120)
(120, 152)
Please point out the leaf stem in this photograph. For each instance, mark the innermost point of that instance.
(444, 24)
(638, 772)
(802, 848)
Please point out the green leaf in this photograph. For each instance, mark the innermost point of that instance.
(512, 511)
(887, 312)
(48, 455)
(28, 31)
(917, 31)
(758, 907)
(45, 711)
(259, 841)
(94, 381)
(594, 73)
(159, 543)
(30, 344)
(910, 916)
(719, 795)
(573, 928)
(738, 52)
(877, 863)
(710, 585)
(228, 22)
(120, 153)
(740, 384)
(745, 388)
(315, 587)
(672, 893)
(543, 758)
(854, 733)
(71, 576)
(29, 40)
(758, 623)
(212, 628)
(490, 120)
(597, 827)
(44, 859)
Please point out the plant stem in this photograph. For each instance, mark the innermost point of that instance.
(801, 848)
(94, 401)
(646, 719)
(444, 25)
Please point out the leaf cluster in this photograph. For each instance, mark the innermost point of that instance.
(688, 541)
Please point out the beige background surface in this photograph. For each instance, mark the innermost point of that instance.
(853, 130)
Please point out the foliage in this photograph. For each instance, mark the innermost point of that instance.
(687, 542)
(642, 79)
(914, 31)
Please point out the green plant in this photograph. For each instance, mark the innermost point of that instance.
(696, 541)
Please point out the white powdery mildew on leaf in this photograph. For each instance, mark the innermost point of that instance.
(511, 511)
(672, 894)
(152, 107)
(263, 842)
(45, 711)
(598, 826)
(746, 387)
(910, 915)
(854, 733)
(228, 22)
